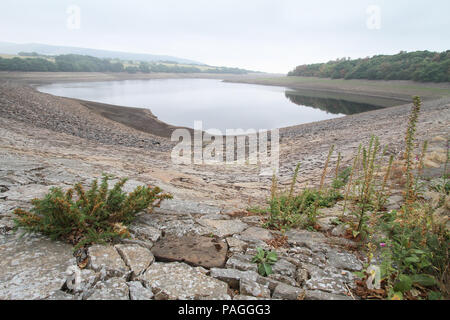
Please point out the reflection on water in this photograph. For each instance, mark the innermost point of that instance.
(218, 104)
(330, 105)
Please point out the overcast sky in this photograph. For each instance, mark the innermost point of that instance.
(265, 35)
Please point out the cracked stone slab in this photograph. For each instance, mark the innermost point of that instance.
(107, 258)
(32, 267)
(223, 228)
(184, 283)
(194, 250)
(111, 289)
(137, 258)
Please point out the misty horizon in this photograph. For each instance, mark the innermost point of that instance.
(263, 36)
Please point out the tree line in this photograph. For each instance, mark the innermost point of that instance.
(423, 66)
(32, 62)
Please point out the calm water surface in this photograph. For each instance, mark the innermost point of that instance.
(218, 104)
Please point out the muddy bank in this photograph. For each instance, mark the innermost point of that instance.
(376, 92)
(137, 118)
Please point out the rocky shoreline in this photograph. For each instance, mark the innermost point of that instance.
(47, 141)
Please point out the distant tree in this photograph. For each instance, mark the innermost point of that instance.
(424, 66)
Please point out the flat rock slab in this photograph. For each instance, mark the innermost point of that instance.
(27, 192)
(194, 250)
(303, 238)
(256, 233)
(179, 281)
(223, 228)
(32, 267)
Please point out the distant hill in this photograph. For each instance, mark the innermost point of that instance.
(44, 49)
(423, 66)
(35, 62)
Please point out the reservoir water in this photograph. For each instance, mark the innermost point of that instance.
(220, 105)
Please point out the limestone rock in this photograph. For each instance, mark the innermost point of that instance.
(108, 258)
(394, 202)
(194, 250)
(139, 292)
(137, 258)
(343, 260)
(32, 267)
(241, 262)
(223, 228)
(303, 238)
(60, 295)
(243, 297)
(321, 295)
(184, 283)
(112, 289)
(27, 192)
(174, 224)
(302, 276)
(330, 280)
(236, 245)
(256, 233)
(282, 279)
(285, 268)
(252, 288)
(233, 276)
(144, 232)
(286, 292)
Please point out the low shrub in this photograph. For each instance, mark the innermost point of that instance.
(96, 216)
